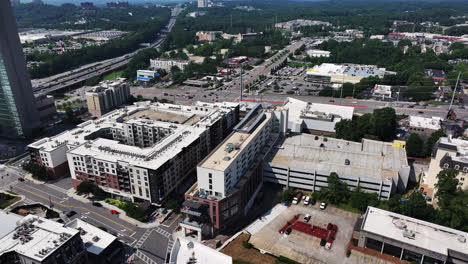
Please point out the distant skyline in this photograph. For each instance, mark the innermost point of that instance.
(102, 2)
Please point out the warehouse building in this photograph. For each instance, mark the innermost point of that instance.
(142, 152)
(306, 161)
(411, 239)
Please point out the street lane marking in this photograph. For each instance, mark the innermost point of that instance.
(172, 222)
(77, 207)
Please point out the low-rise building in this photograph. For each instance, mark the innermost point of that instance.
(146, 76)
(141, 152)
(229, 179)
(449, 153)
(318, 53)
(167, 64)
(410, 239)
(107, 96)
(306, 161)
(186, 251)
(424, 126)
(207, 35)
(319, 119)
(435, 74)
(383, 92)
(297, 23)
(45, 105)
(34, 239)
(343, 73)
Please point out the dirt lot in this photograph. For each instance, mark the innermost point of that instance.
(302, 247)
(237, 251)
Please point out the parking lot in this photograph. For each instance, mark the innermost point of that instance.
(300, 246)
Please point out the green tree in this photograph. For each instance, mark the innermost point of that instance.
(446, 186)
(85, 187)
(337, 190)
(417, 207)
(361, 200)
(431, 140)
(384, 123)
(414, 146)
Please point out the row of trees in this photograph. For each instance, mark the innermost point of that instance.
(418, 148)
(381, 125)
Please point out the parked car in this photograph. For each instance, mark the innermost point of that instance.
(307, 218)
(312, 201)
(70, 214)
(115, 212)
(297, 198)
(288, 231)
(97, 204)
(331, 101)
(323, 205)
(307, 200)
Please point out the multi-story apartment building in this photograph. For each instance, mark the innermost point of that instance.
(141, 152)
(449, 153)
(36, 240)
(18, 114)
(167, 64)
(107, 96)
(230, 177)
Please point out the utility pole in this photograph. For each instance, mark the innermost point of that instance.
(454, 91)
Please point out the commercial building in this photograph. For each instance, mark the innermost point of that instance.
(202, 3)
(343, 73)
(319, 119)
(207, 35)
(424, 126)
(167, 64)
(38, 240)
(185, 251)
(229, 178)
(101, 246)
(104, 35)
(107, 96)
(145, 76)
(411, 239)
(306, 161)
(45, 105)
(449, 153)
(141, 152)
(318, 53)
(18, 113)
(383, 92)
(297, 23)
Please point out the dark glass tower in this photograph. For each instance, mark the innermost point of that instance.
(18, 113)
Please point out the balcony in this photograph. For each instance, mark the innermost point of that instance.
(191, 223)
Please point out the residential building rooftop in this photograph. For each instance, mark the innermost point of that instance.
(425, 122)
(414, 232)
(187, 251)
(94, 239)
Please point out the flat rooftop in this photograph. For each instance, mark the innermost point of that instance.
(187, 251)
(370, 159)
(95, 239)
(158, 115)
(231, 147)
(9, 221)
(36, 237)
(427, 235)
(358, 70)
(425, 122)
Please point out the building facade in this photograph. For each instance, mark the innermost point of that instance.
(107, 96)
(424, 126)
(167, 64)
(45, 105)
(18, 114)
(230, 177)
(142, 152)
(410, 239)
(449, 153)
(146, 76)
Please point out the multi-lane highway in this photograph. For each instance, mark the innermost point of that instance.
(62, 80)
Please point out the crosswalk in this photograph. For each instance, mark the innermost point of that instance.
(170, 244)
(162, 232)
(143, 238)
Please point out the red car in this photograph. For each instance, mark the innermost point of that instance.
(114, 212)
(331, 101)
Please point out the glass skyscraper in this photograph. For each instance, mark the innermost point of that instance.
(18, 114)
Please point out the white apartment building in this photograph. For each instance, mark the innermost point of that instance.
(167, 64)
(141, 152)
(449, 153)
(36, 240)
(318, 53)
(107, 96)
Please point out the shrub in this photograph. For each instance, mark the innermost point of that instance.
(283, 259)
(246, 244)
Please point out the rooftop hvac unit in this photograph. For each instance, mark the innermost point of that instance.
(461, 239)
(408, 234)
(400, 224)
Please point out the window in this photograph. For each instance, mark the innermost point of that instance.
(462, 179)
(446, 165)
(465, 169)
(210, 175)
(210, 181)
(457, 167)
(211, 187)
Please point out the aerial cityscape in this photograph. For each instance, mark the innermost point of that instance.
(233, 132)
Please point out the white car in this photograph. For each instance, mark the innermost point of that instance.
(323, 206)
(307, 200)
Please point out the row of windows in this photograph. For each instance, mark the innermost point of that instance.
(456, 167)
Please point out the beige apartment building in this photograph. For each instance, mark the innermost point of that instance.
(107, 96)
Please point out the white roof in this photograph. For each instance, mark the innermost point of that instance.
(317, 116)
(185, 250)
(427, 235)
(425, 122)
(358, 70)
(9, 222)
(44, 237)
(95, 239)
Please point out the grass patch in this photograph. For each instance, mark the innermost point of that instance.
(7, 200)
(349, 208)
(113, 75)
(12, 193)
